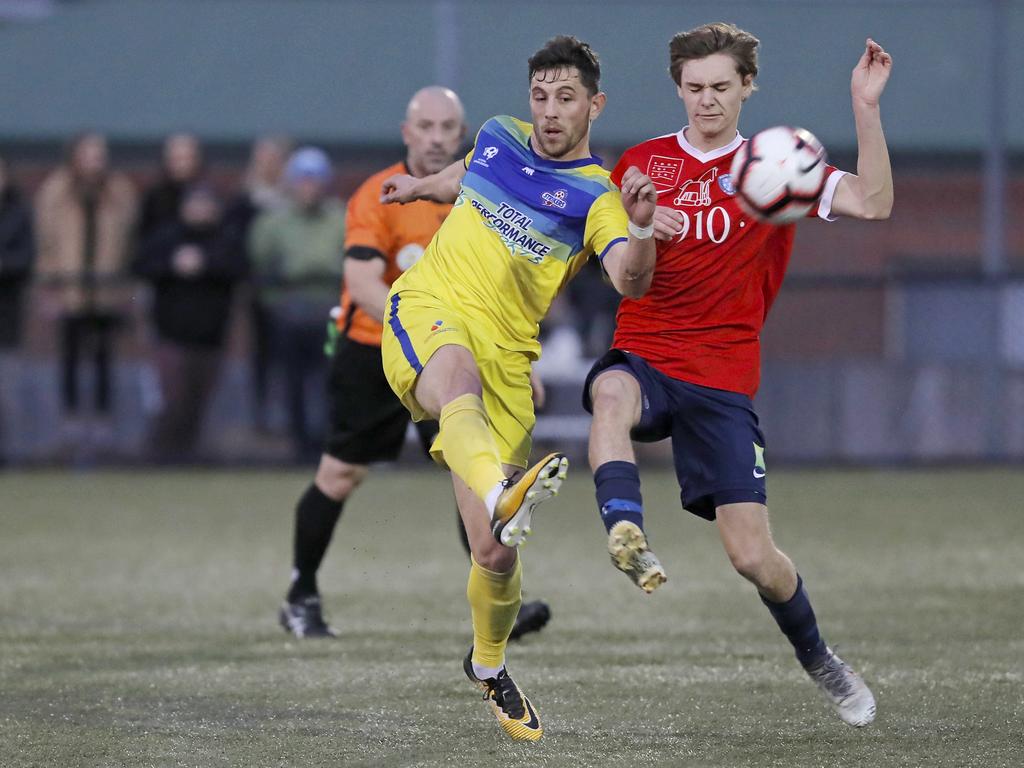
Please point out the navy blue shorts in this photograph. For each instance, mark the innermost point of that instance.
(717, 445)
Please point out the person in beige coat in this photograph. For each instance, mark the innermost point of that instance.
(85, 218)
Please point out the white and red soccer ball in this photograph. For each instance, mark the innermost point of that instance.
(779, 174)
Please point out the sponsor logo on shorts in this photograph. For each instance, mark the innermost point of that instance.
(439, 326)
(760, 470)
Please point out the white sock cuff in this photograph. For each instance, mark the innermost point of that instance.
(483, 673)
(492, 498)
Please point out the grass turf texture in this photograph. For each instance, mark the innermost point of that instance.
(137, 627)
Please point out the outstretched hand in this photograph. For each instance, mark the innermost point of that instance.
(639, 196)
(397, 189)
(871, 74)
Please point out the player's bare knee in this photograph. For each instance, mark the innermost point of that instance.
(337, 479)
(494, 557)
(750, 562)
(615, 397)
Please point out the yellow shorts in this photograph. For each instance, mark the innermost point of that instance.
(417, 324)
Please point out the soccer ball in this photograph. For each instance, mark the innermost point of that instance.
(779, 174)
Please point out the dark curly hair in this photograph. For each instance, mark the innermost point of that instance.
(566, 51)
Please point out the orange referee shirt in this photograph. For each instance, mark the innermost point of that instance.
(396, 233)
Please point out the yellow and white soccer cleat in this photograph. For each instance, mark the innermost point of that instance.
(514, 508)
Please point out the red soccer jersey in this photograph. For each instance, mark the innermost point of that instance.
(713, 285)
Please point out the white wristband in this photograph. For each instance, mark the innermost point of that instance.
(640, 233)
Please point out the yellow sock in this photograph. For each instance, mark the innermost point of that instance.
(494, 600)
(468, 446)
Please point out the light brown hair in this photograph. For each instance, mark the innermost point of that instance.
(720, 37)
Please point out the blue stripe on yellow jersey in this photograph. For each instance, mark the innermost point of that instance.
(521, 228)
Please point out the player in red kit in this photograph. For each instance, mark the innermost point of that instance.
(685, 361)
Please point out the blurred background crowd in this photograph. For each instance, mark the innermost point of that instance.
(164, 293)
(139, 283)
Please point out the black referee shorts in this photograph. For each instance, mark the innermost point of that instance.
(367, 420)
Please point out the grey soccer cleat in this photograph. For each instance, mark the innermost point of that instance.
(846, 691)
(627, 546)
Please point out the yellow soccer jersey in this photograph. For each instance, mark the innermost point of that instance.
(521, 228)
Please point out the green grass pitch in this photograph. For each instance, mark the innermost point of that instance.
(137, 627)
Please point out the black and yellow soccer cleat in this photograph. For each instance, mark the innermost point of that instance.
(515, 713)
(627, 546)
(514, 507)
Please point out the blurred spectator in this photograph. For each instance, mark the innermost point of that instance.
(85, 216)
(181, 165)
(296, 257)
(193, 265)
(263, 184)
(17, 250)
(262, 190)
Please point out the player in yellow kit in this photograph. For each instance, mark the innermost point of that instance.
(367, 423)
(531, 204)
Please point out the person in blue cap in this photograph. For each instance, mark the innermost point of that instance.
(296, 263)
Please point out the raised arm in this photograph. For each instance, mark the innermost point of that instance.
(630, 264)
(868, 195)
(441, 187)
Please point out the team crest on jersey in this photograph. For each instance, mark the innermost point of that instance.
(489, 154)
(725, 182)
(697, 192)
(555, 199)
(664, 171)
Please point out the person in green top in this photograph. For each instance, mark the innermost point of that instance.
(296, 264)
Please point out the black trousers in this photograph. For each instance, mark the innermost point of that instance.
(88, 337)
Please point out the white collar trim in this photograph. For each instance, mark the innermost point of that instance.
(707, 157)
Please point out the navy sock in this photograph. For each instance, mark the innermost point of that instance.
(618, 493)
(315, 518)
(795, 618)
